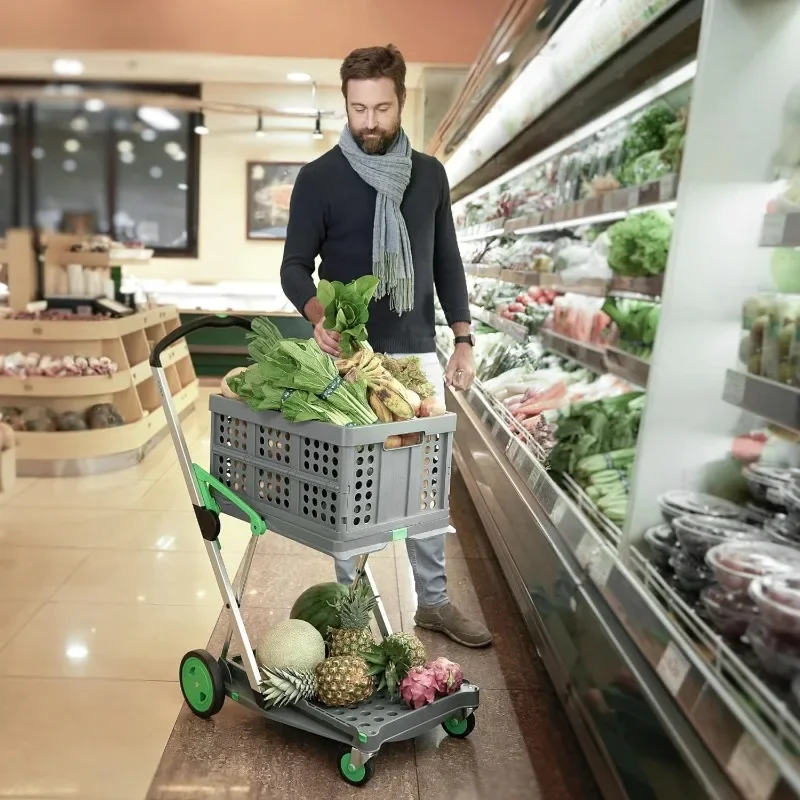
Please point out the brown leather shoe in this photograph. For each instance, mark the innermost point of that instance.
(451, 622)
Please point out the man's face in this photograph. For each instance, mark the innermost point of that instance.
(373, 113)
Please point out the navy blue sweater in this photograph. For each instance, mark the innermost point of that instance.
(331, 216)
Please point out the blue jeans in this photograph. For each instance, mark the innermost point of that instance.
(426, 555)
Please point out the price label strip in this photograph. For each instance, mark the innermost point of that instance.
(673, 668)
(735, 386)
(752, 769)
(585, 550)
(600, 567)
(773, 231)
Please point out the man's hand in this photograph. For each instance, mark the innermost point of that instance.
(461, 369)
(328, 341)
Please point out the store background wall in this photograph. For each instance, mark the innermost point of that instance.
(224, 253)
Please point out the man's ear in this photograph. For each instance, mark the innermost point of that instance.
(403, 101)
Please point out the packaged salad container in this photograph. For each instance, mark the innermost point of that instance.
(760, 480)
(729, 612)
(698, 534)
(755, 319)
(691, 574)
(778, 601)
(783, 530)
(779, 655)
(660, 541)
(737, 564)
(680, 502)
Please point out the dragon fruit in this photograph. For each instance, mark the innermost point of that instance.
(447, 675)
(418, 687)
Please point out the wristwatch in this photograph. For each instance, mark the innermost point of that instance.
(470, 340)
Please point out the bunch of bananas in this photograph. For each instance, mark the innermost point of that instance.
(388, 398)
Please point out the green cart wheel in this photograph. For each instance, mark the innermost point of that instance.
(355, 776)
(459, 728)
(202, 683)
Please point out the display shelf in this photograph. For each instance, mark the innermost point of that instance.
(753, 741)
(131, 390)
(485, 230)
(771, 400)
(117, 257)
(482, 270)
(626, 366)
(781, 230)
(512, 329)
(588, 355)
(648, 288)
(608, 207)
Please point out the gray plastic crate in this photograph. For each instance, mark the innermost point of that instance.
(335, 489)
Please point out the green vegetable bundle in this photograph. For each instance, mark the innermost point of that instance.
(295, 377)
(637, 322)
(639, 244)
(588, 429)
(648, 132)
(347, 310)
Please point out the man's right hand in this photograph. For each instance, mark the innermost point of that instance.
(328, 341)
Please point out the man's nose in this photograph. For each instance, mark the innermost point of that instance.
(371, 119)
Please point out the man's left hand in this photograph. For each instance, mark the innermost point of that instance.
(461, 369)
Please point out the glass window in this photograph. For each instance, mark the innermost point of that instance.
(7, 167)
(151, 152)
(70, 167)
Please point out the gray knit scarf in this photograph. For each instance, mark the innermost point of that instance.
(389, 174)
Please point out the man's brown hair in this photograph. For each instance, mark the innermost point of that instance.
(368, 63)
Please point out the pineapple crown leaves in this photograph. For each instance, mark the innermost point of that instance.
(390, 662)
(283, 686)
(356, 606)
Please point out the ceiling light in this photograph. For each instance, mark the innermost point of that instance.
(260, 127)
(183, 187)
(72, 145)
(94, 104)
(79, 124)
(2, 118)
(179, 156)
(5, 148)
(170, 148)
(158, 118)
(127, 157)
(298, 77)
(149, 135)
(38, 153)
(318, 127)
(156, 172)
(124, 146)
(68, 66)
(70, 165)
(503, 57)
(201, 129)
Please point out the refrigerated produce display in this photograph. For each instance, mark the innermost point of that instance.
(632, 441)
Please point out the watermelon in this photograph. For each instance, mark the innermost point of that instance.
(313, 606)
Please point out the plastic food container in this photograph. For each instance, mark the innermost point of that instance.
(737, 564)
(679, 502)
(778, 601)
(730, 612)
(779, 655)
(791, 498)
(779, 336)
(755, 319)
(660, 541)
(698, 534)
(761, 479)
(691, 575)
(782, 530)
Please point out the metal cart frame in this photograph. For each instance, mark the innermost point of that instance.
(206, 681)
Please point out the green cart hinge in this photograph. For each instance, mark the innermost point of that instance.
(206, 482)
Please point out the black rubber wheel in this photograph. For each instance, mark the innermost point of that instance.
(202, 683)
(355, 776)
(459, 728)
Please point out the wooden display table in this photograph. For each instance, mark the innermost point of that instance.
(128, 342)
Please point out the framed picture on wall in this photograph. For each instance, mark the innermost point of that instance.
(269, 189)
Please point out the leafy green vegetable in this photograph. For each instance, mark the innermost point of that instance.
(347, 309)
(639, 244)
(643, 169)
(637, 322)
(672, 152)
(648, 132)
(295, 377)
(602, 426)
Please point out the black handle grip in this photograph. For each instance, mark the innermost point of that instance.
(210, 321)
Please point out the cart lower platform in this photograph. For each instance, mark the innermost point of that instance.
(206, 681)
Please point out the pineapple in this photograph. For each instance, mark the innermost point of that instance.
(343, 681)
(391, 660)
(354, 636)
(283, 686)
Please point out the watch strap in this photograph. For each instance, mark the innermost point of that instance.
(470, 340)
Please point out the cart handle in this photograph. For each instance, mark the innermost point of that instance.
(210, 321)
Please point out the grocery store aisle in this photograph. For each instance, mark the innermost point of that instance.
(521, 748)
(104, 584)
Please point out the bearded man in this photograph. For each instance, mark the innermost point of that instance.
(372, 205)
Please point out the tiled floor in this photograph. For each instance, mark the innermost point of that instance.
(104, 584)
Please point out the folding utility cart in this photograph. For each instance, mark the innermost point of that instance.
(338, 491)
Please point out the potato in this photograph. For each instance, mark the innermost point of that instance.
(393, 442)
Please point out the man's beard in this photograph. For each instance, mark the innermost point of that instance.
(376, 141)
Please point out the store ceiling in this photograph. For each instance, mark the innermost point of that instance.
(441, 32)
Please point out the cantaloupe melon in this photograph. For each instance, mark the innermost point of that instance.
(291, 644)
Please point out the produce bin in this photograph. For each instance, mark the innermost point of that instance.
(336, 489)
